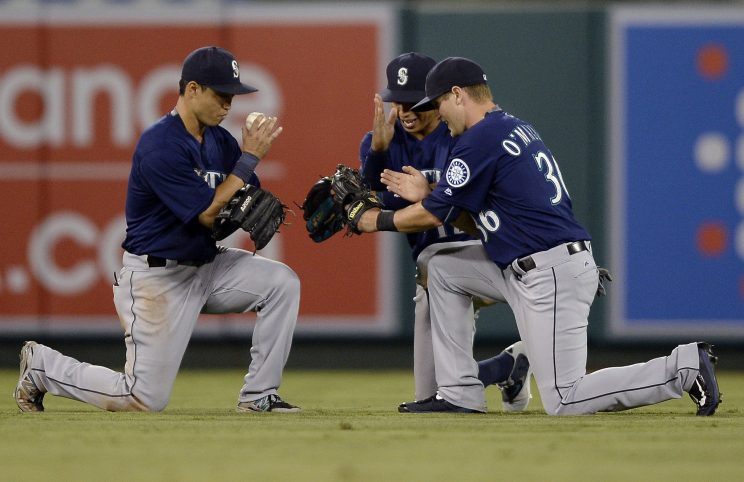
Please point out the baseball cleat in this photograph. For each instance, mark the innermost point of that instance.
(515, 390)
(269, 403)
(27, 395)
(704, 390)
(433, 404)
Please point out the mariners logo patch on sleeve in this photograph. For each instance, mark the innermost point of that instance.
(458, 173)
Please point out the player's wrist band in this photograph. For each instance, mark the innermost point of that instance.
(245, 166)
(385, 221)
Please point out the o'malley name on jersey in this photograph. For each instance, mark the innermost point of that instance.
(519, 138)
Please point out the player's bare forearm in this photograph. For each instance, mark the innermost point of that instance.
(222, 195)
(413, 219)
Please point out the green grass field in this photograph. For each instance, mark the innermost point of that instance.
(350, 430)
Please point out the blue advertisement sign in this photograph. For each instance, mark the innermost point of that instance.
(677, 157)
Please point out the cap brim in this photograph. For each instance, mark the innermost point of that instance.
(233, 89)
(424, 104)
(402, 96)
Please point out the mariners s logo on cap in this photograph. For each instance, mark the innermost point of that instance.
(216, 68)
(402, 76)
(406, 78)
(458, 173)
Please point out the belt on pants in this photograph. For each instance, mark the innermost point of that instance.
(527, 263)
(158, 262)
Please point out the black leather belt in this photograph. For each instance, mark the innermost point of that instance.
(158, 262)
(527, 263)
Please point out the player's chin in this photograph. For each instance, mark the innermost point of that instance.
(217, 120)
(454, 131)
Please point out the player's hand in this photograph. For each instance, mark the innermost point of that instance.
(262, 133)
(604, 278)
(383, 127)
(410, 184)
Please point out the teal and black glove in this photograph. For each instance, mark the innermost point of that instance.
(323, 218)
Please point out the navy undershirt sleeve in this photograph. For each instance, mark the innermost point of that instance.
(373, 163)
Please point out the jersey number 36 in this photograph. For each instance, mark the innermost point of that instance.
(489, 220)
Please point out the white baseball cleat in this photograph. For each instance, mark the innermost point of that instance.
(27, 395)
(515, 390)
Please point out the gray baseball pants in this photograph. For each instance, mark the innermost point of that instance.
(158, 309)
(551, 305)
(423, 355)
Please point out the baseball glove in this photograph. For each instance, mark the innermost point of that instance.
(254, 210)
(351, 194)
(323, 218)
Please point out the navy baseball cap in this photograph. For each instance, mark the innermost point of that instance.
(406, 77)
(450, 72)
(216, 68)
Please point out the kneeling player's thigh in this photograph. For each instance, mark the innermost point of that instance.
(468, 271)
(242, 282)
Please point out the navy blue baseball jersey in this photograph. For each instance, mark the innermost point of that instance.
(502, 173)
(429, 156)
(172, 181)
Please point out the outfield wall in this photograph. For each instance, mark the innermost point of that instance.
(79, 83)
(642, 109)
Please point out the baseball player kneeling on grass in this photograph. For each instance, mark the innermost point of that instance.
(191, 184)
(503, 184)
(407, 140)
(403, 140)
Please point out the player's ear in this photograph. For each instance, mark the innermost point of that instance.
(192, 87)
(457, 92)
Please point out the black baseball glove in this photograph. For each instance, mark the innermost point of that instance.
(254, 210)
(323, 218)
(351, 194)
